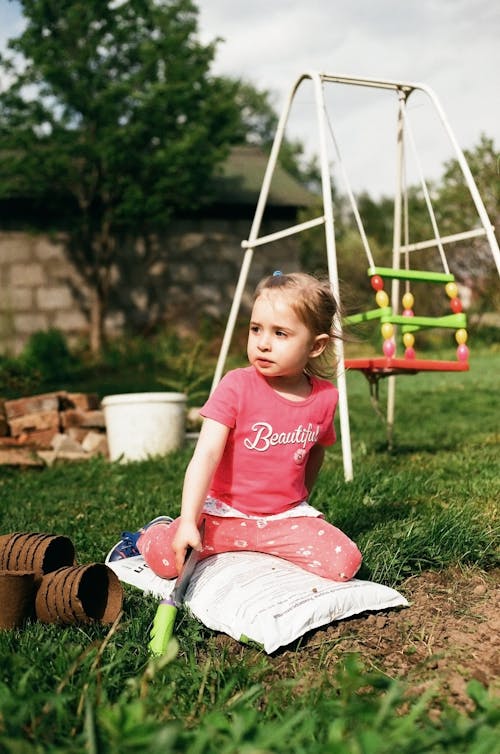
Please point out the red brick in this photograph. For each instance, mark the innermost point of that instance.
(34, 422)
(75, 418)
(19, 457)
(81, 401)
(32, 404)
(37, 439)
(4, 427)
(12, 442)
(41, 438)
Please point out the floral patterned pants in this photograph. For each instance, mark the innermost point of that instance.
(309, 542)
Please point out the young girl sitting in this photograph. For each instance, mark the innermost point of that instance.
(262, 445)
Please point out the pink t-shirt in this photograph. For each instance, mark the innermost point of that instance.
(262, 471)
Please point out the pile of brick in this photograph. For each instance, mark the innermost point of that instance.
(41, 429)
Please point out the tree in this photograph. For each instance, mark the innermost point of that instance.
(456, 209)
(471, 260)
(112, 113)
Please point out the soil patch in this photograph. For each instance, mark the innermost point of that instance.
(447, 636)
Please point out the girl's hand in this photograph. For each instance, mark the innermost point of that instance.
(187, 535)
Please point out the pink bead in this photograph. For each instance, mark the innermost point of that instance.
(462, 352)
(389, 348)
(408, 313)
(410, 353)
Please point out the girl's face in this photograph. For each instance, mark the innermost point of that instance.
(279, 343)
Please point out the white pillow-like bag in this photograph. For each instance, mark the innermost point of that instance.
(261, 598)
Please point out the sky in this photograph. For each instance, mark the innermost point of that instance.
(451, 46)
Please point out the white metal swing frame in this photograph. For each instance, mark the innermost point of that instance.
(403, 91)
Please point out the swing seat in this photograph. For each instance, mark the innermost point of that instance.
(381, 366)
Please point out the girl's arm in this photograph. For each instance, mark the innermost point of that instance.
(199, 473)
(314, 464)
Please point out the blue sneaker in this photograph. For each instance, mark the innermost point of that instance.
(127, 546)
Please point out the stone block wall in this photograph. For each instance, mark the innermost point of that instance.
(188, 275)
(36, 284)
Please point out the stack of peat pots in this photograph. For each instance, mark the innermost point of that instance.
(40, 579)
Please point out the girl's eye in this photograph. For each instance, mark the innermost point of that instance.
(254, 328)
(280, 334)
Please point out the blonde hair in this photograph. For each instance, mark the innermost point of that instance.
(313, 302)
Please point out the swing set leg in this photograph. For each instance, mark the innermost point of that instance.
(373, 381)
(391, 406)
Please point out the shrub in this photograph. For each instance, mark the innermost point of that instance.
(47, 353)
(16, 377)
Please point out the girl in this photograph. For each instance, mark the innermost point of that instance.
(262, 445)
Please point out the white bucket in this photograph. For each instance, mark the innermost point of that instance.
(140, 425)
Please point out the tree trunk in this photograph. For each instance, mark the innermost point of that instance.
(96, 323)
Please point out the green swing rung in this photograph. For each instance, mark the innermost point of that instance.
(423, 276)
(356, 319)
(410, 324)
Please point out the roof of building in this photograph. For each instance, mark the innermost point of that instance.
(235, 192)
(241, 179)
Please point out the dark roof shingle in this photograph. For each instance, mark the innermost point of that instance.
(241, 179)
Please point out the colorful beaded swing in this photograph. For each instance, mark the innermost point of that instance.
(388, 364)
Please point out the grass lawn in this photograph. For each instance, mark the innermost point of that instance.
(429, 505)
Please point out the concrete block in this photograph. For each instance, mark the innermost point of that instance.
(27, 275)
(15, 299)
(95, 443)
(77, 433)
(45, 249)
(69, 455)
(15, 247)
(51, 457)
(54, 298)
(20, 299)
(70, 320)
(47, 456)
(27, 324)
(62, 443)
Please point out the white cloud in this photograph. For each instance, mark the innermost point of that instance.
(450, 45)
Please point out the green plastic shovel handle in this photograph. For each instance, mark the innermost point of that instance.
(162, 629)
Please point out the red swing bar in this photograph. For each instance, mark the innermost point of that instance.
(381, 366)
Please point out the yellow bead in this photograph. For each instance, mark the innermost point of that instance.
(387, 330)
(382, 299)
(451, 290)
(408, 301)
(409, 339)
(461, 336)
